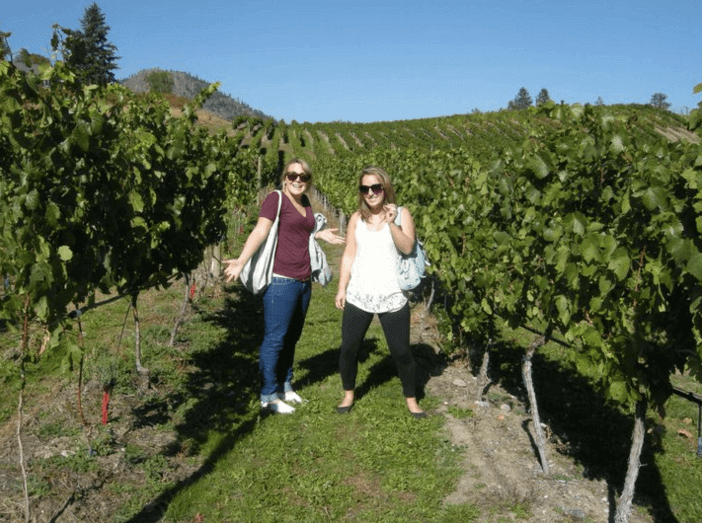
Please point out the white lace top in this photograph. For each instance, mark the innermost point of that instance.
(373, 286)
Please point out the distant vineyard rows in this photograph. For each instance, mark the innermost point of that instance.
(482, 134)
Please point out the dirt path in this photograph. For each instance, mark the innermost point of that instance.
(500, 460)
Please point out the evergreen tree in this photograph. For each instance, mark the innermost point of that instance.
(521, 101)
(88, 51)
(542, 97)
(5, 51)
(599, 102)
(659, 100)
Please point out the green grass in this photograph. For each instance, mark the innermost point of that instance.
(375, 464)
(460, 413)
(680, 467)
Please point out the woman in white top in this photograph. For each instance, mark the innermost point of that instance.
(368, 284)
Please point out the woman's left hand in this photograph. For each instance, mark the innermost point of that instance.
(330, 236)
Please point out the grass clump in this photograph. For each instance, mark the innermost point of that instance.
(460, 413)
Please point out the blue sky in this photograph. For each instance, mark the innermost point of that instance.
(380, 60)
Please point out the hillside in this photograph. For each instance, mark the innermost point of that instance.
(187, 86)
(482, 134)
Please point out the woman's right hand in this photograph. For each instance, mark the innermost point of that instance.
(389, 212)
(340, 299)
(232, 272)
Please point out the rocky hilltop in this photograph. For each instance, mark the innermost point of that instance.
(188, 86)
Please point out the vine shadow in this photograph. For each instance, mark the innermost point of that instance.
(218, 396)
(594, 433)
(385, 369)
(429, 364)
(322, 365)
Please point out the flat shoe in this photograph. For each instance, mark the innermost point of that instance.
(344, 410)
(419, 415)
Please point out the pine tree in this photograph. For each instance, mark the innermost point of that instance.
(659, 100)
(521, 101)
(88, 51)
(542, 97)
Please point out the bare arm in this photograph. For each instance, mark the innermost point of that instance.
(253, 242)
(402, 236)
(347, 261)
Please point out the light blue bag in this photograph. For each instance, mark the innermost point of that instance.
(412, 265)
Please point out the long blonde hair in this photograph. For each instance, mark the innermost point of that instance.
(389, 192)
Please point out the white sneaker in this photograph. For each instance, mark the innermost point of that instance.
(292, 397)
(278, 407)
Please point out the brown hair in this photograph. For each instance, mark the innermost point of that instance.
(389, 192)
(305, 169)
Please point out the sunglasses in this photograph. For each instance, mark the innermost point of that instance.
(296, 176)
(376, 188)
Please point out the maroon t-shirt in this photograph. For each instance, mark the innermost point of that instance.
(292, 258)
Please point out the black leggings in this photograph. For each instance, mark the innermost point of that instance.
(396, 326)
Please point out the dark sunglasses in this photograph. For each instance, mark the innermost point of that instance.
(296, 176)
(376, 188)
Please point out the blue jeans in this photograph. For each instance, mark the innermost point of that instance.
(285, 303)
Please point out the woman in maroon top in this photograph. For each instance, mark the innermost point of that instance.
(286, 299)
